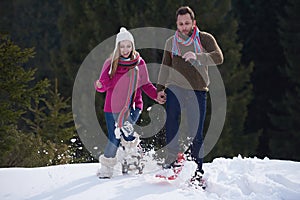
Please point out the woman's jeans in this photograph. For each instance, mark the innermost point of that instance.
(193, 105)
(113, 143)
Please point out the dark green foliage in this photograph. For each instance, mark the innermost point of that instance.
(34, 24)
(24, 149)
(258, 32)
(36, 124)
(285, 116)
(17, 89)
(268, 30)
(52, 120)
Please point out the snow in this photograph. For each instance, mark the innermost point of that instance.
(234, 178)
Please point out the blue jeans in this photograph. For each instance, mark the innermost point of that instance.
(113, 143)
(194, 104)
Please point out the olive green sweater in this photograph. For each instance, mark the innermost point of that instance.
(189, 75)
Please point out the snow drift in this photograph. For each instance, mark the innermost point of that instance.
(236, 178)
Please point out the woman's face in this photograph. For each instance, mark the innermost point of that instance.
(125, 48)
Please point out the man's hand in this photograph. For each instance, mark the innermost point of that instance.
(161, 97)
(189, 56)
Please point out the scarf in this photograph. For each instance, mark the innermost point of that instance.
(124, 62)
(194, 38)
(133, 74)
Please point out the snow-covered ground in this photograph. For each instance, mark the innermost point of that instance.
(236, 178)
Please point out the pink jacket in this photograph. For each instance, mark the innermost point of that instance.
(116, 88)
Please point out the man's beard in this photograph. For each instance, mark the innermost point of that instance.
(189, 33)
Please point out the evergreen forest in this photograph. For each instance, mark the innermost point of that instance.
(44, 43)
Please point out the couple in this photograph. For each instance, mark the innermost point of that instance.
(188, 53)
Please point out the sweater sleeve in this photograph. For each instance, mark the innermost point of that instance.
(145, 83)
(212, 54)
(104, 78)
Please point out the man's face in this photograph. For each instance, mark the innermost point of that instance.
(185, 24)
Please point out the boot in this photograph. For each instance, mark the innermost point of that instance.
(197, 180)
(107, 167)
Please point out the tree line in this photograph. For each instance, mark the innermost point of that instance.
(43, 44)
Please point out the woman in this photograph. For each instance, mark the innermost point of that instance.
(123, 77)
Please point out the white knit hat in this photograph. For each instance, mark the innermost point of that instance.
(121, 36)
(124, 35)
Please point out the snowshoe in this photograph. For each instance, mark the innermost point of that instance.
(171, 171)
(132, 156)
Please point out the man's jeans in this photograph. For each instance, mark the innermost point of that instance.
(194, 105)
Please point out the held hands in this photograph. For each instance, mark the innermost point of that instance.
(98, 84)
(161, 97)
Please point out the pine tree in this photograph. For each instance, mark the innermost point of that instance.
(260, 38)
(18, 89)
(53, 121)
(285, 118)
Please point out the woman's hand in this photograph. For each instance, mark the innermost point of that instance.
(98, 84)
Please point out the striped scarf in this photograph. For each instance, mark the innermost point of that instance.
(133, 84)
(123, 62)
(194, 38)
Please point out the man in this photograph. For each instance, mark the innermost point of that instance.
(183, 84)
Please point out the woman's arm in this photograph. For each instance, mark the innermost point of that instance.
(104, 82)
(145, 83)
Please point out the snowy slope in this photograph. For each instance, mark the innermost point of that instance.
(236, 178)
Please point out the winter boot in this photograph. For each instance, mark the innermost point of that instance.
(197, 180)
(107, 167)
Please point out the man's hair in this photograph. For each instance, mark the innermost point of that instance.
(184, 10)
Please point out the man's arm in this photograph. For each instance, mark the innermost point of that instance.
(210, 56)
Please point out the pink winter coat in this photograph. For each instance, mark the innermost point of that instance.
(116, 88)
